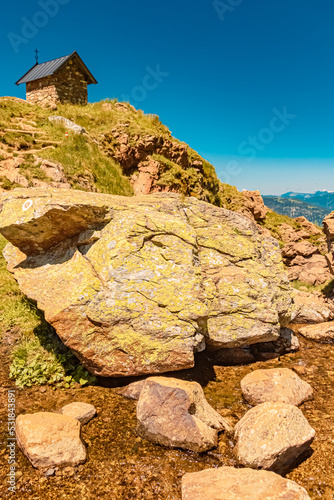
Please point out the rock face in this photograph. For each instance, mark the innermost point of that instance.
(135, 285)
(272, 436)
(306, 261)
(323, 333)
(228, 483)
(277, 385)
(80, 411)
(175, 413)
(311, 308)
(50, 439)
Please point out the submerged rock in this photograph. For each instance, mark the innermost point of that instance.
(272, 436)
(175, 413)
(50, 439)
(135, 286)
(83, 412)
(279, 385)
(228, 483)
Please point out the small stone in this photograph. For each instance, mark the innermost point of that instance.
(83, 412)
(50, 473)
(275, 385)
(42, 389)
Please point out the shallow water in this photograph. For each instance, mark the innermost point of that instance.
(122, 466)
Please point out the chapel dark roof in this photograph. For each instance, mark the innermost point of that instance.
(52, 67)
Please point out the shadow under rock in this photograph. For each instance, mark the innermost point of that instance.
(202, 373)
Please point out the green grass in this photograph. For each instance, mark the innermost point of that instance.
(326, 289)
(82, 159)
(38, 357)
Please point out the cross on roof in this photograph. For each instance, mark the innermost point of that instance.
(36, 57)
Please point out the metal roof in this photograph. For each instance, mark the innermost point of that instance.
(51, 67)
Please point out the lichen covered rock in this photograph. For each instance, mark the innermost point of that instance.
(137, 285)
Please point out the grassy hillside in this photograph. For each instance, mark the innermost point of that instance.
(296, 208)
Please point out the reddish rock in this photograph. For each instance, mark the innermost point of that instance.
(228, 483)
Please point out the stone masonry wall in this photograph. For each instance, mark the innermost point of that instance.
(67, 86)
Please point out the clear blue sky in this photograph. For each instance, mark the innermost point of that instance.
(248, 84)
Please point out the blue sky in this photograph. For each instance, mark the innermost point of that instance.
(248, 84)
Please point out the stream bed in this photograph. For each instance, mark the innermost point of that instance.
(122, 466)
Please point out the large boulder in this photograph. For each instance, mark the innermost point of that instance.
(137, 285)
(228, 483)
(175, 413)
(279, 385)
(272, 436)
(50, 439)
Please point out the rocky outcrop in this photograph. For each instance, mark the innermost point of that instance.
(49, 439)
(228, 483)
(322, 333)
(277, 385)
(272, 436)
(83, 412)
(305, 263)
(135, 285)
(329, 232)
(311, 308)
(175, 413)
(254, 203)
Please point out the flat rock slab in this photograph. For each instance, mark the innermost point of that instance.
(137, 285)
(83, 412)
(272, 436)
(228, 483)
(276, 385)
(50, 439)
(310, 308)
(323, 333)
(175, 413)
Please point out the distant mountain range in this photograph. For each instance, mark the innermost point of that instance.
(302, 204)
(323, 199)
